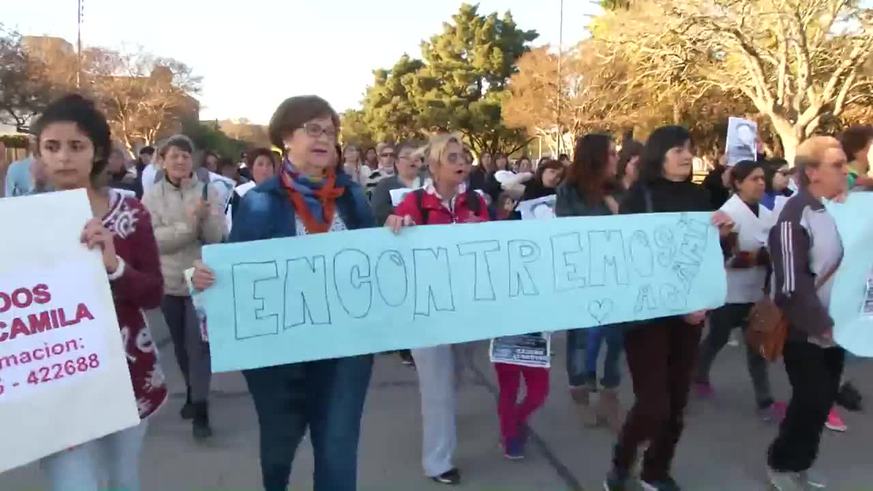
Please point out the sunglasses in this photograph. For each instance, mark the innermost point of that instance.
(315, 130)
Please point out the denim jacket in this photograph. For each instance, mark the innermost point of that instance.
(266, 212)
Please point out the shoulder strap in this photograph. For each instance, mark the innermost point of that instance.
(472, 200)
(647, 196)
(419, 201)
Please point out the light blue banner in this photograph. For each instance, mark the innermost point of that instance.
(369, 291)
(853, 329)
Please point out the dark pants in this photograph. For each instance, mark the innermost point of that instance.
(192, 353)
(661, 355)
(326, 396)
(814, 373)
(721, 322)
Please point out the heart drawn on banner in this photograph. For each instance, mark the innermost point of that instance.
(600, 309)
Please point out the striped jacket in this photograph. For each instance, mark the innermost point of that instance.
(804, 244)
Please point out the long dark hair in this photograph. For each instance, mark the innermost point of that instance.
(588, 172)
(629, 149)
(661, 141)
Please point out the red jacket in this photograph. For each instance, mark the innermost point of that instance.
(437, 214)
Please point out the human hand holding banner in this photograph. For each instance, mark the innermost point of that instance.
(64, 378)
(367, 291)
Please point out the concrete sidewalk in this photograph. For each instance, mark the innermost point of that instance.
(723, 447)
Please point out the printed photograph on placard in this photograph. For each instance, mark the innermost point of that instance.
(868, 297)
(537, 209)
(742, 140)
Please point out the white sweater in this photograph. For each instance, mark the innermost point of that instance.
(745, 285)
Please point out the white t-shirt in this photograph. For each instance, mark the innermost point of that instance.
(149, 173)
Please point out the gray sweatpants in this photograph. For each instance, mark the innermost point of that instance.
(436, 382)
(192, 353)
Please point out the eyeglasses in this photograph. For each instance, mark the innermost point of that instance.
(315, 130)
(454, 158)
(388, 154)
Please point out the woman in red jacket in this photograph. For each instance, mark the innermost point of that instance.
(446, 200)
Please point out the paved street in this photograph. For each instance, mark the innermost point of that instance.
(723, 447)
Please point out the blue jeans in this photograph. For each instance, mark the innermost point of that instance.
(112, 461)
(327, 396)
(583, 351)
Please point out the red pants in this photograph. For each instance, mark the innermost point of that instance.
(514, 415)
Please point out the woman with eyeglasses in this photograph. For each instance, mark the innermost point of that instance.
(446, 200)
(325, 397)
(387, 159)
(407, 176)
(776, 179)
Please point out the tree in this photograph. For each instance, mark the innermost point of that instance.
(798, 62)
(592, 96)
(459, 85)
(208, 136)
(144, 97)
(24, 89)
(355, 129)
(466, 74)
(254, 135)
(390, 108)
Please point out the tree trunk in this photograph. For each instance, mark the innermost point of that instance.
(789, 135)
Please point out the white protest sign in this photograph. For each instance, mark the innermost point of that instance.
(64, 378)
(398, 194)
(537, 209)
(742, 140)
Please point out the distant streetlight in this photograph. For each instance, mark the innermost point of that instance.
(80, 13)
(560, 76)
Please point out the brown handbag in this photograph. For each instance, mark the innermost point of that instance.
(768, 327)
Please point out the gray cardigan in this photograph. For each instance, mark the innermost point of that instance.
(380, 200)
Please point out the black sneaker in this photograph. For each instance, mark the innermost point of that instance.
(616, 481)
(187, 411)
(452, 478)
(666, 484)
(849, 397)
(200, 426)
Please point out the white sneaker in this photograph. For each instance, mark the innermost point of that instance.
(813, 479)
(786, 481)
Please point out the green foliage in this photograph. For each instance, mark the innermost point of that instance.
(355, 130)
(208, 136)
(14, 141)
(458, 85)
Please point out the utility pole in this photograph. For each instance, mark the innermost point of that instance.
(80, 12)
(560, 78)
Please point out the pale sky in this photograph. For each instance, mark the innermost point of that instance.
(254, 53)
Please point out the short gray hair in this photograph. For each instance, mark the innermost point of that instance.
(179, 141)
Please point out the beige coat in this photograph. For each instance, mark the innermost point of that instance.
(180, 236)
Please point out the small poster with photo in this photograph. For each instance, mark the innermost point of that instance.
(537, 209)
(867, 309)
(529, 350)
(742, 141)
